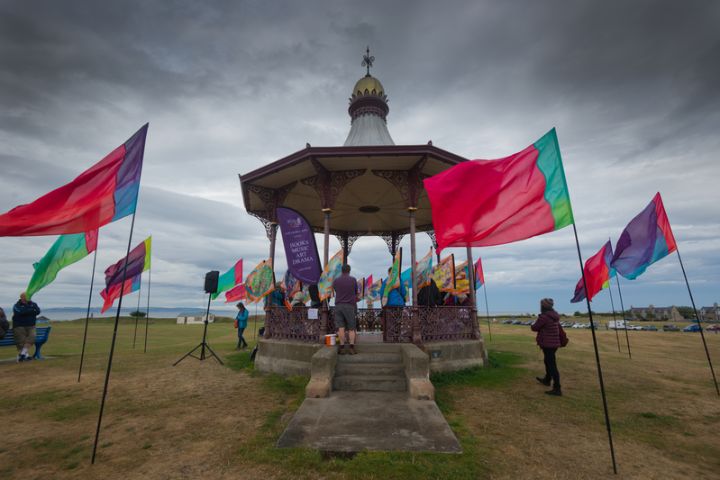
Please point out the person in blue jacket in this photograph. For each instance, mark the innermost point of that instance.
(242, 321)
(25, 314)
(396, 297)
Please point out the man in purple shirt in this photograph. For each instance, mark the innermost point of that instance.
(346, 298)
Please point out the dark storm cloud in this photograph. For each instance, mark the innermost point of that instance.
(229, 86)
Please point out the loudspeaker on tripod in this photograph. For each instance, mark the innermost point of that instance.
(211, 281)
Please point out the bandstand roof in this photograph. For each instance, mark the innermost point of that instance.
(368, 189)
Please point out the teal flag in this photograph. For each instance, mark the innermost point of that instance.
(66, 250)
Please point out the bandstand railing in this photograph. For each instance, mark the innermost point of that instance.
(397, 324)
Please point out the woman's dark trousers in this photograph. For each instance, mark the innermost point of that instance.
(241, 340)
(551, 370)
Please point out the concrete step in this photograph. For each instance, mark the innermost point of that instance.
(370, 357)
(370, 383)
(370, 369)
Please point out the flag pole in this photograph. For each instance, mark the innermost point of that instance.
(597, 354)
(622, 307)
(137, 310)
(487, 311)
(697, 319)
(612, 303)
(87, 315)
(112, 344)
(147, 311)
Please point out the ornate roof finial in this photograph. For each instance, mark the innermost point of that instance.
(368, 60)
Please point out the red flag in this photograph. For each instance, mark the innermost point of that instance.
(236, 293)
(491, 202)
(104, 193)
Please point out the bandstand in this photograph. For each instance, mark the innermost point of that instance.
(368, 186)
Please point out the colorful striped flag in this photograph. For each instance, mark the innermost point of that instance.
(393, 280)
(598, 273)
(229, 279)
(66, 250)
(444, 274)
(492, 202)
(331, 271)
(462, 283)
(137, 262)
(112, 293)
(646, 239)
(104, 193)
(261, 281)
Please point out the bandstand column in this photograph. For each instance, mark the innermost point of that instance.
(273, 238)
(324, 311)
(411, 211)
(326, 234)
(471, 287)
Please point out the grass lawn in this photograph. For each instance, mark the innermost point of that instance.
(203, 420)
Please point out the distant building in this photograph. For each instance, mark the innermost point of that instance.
(194, 318)
(652, 312)
(710, 314)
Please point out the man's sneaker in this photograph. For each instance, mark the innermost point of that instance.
(556, 392)
(352, 350)
(20, 358)
(341, 350)
(27, 358)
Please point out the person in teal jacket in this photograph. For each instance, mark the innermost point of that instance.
(242, 320)
(396, 297)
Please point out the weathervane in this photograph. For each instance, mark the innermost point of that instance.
(368, 60)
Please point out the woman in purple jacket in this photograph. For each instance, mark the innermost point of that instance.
(549, 339)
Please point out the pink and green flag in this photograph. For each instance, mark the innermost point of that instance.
(66, 250)
(331, 271)
(261, 281)
(491, 202)
(229, 279)
(393, 280)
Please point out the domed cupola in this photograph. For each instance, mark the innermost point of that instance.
(368, 110)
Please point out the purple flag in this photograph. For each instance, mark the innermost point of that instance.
(300, 248)
(138, 262)
(646, 239)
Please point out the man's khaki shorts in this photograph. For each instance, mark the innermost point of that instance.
(24, 335)
(345, 316)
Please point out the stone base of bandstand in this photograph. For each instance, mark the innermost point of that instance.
(289, 358)
(456, 355)
(285, 357)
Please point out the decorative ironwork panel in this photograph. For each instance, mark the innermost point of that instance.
(448, 323)
(409, 183)
(369, 320)
(398, 324)
(392, 240)
(282, 324)
(269, 226)
(271, 198)
(328, 184)
(347, 241)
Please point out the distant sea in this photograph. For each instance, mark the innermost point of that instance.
(71, 313)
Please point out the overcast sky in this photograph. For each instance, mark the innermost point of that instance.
(632, 87)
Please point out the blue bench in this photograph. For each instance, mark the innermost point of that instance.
(41, 336)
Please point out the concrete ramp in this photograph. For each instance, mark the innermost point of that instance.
(351, 421)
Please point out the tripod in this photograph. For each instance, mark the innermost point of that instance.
(202, 345)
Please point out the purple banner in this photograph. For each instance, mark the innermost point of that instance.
(300, 248)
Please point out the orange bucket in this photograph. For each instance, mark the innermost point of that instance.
(330, 340)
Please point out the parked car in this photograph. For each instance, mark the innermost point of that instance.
(671, 328)
(713, 328)
(578, 325)
(692, 328)
(506, 322)
(517, 322)
(634, 327)
(566, 324)
(650, 328)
